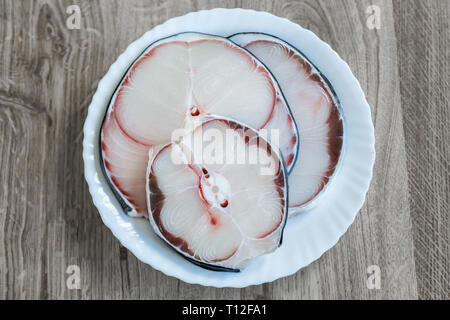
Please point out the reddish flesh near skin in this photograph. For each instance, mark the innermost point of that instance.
(282, 120)
(214, 232)
(125, 165)
(318, 119)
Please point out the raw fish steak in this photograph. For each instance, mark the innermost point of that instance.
(175, 81)
(218, 211)
(315, 111)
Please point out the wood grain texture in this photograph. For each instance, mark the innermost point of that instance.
(48, 75)
(424, 45)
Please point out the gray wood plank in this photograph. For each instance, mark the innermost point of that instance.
(424, 45)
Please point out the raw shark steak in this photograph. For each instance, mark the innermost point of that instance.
(175, 81)
(315, 111)
(217, 210)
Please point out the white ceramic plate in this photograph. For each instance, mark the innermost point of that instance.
(308, 235)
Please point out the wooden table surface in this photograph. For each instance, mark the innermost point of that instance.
(48, 74)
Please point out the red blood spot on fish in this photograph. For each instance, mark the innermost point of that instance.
(194, 111)
(224, 204)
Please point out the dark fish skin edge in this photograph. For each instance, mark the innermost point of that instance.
(125, 207)
(209, 266)
(286, 204)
